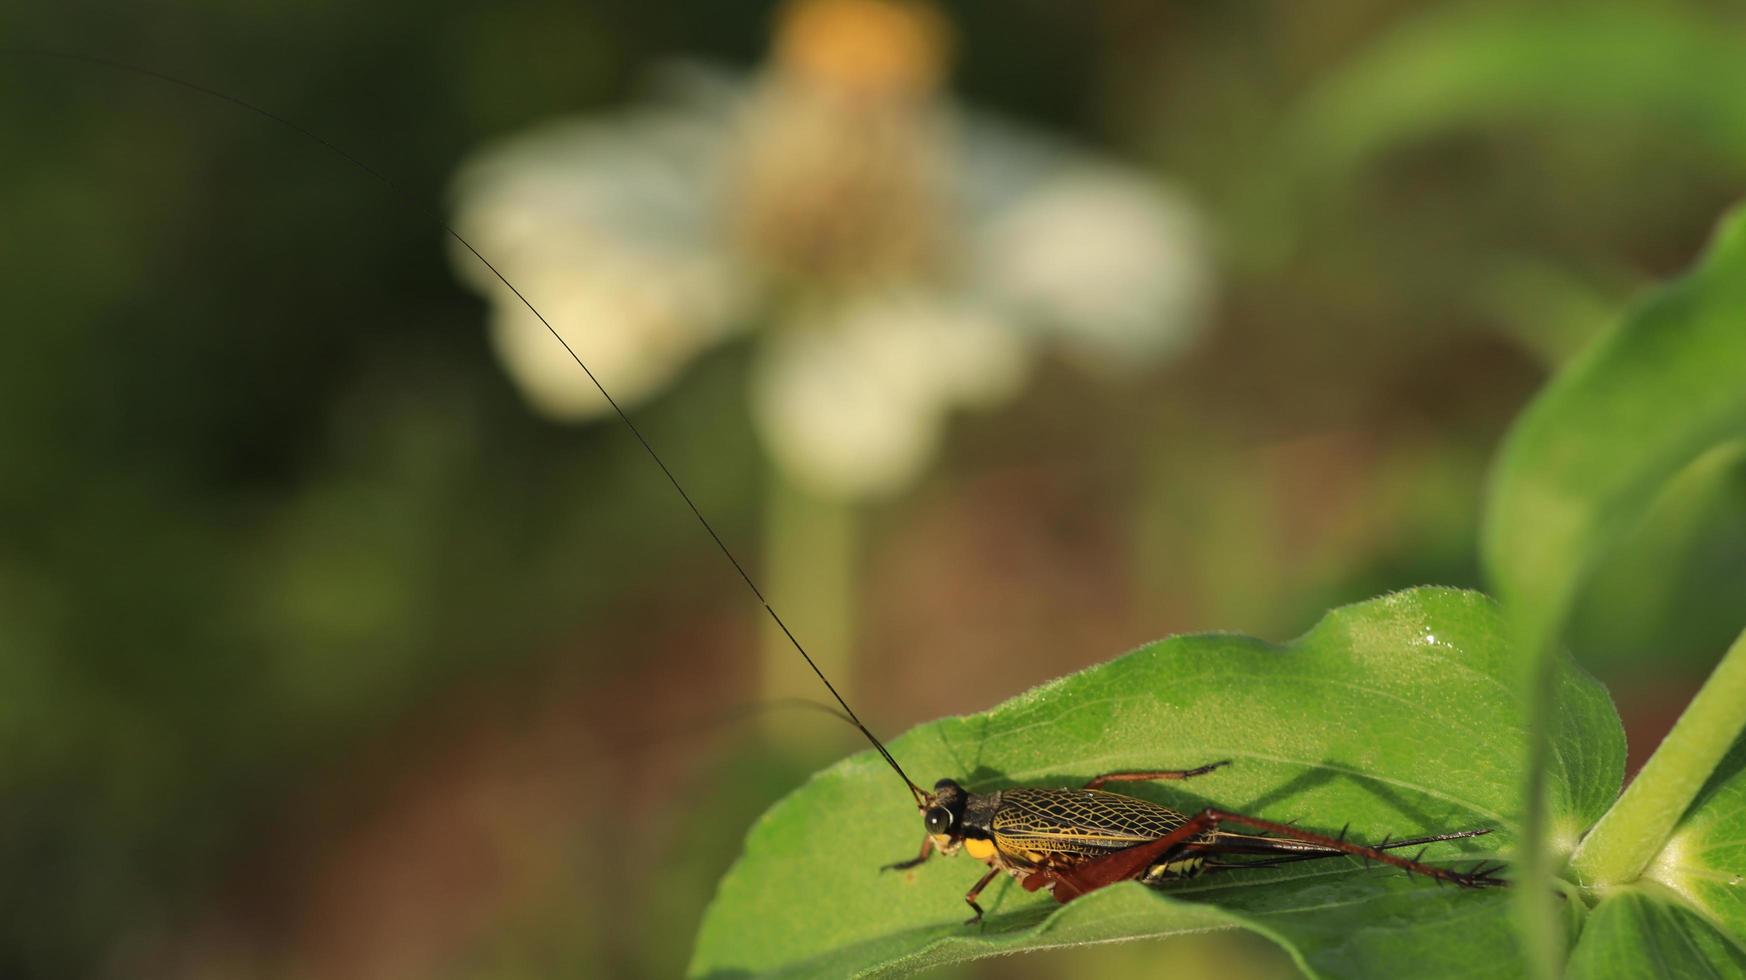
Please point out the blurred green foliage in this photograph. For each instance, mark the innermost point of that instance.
(277, 532)
(1587, 460)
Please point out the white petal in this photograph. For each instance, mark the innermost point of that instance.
(1107, 258)
(964, 352)
(609, 227)
(624, 325)
(852, 402)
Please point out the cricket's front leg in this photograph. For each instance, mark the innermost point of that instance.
(926, 849)
(1146, 777)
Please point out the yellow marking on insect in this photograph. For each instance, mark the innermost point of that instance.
(981, 850)
(1189, 867)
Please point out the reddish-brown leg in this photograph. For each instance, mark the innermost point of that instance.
(1065, 887)
(975, 890)
(1127, 864)
(1133, 862)
(1146, 777)
(926, 849)
(1479, 877)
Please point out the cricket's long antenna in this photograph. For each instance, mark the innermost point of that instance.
(920, 796)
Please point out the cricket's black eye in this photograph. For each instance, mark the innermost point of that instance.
(939, 820)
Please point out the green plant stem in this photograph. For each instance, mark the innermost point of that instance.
(1542, 932)
(1629, 836)
(811, 567)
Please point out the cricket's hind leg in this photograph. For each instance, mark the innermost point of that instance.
(1196, 837)
(1296, 844)
(1275, 851)
(1146, 777)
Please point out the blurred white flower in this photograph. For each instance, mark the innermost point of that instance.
(853, 405)
(899, 256)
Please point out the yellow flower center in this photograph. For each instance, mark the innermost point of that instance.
(864, 46)
(840, 176)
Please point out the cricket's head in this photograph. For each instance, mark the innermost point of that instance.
(943, 812)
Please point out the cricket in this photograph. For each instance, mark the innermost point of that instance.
(1066, 841)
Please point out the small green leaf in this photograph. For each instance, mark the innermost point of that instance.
(1704, 861)
(1639, 932)
(1621, 846)
(1398, 715)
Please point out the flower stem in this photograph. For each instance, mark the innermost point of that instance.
(1629, 836)
(1542, 931)
(811, 565)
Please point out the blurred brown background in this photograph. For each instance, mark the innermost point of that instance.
(321, 655)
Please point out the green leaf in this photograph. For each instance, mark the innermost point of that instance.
(1639, 826)
(1640, 933)
(1580, 468)
(1704, 862)
(1629, 67)
(1585, 460)
(1398, 715)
